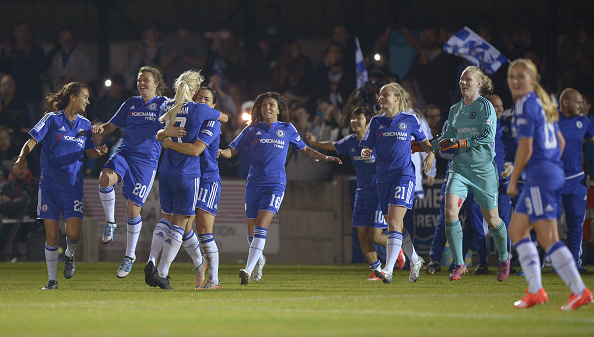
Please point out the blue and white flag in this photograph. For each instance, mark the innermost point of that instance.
(362, 76)
(476, 50)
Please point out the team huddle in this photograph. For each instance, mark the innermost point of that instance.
(381, 148)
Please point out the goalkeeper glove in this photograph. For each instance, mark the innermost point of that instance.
(452, 143)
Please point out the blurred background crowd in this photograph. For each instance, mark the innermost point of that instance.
(256, 48)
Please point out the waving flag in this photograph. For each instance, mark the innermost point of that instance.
(362, 76)
(476, 50)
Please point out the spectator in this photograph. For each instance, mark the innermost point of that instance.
(331, 79)
(226, 58)
(325, 123)
(110, 99)
(182, 50)
(24, 60)
(341, 34)
(575, 59)
(18, 194)
(433, 116)
(300, 168)
(145, 54)
(70, 63)
(13, 112)
(292, 75)
(263, 50)
(434, 71)
(225, 101)
(8, 152)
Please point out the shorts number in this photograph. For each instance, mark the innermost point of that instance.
(140, 190)
(275, 201)
(400, 192)
(528, 206)
(202, 194)
(379, 217)
(182, 123)
(78, 206)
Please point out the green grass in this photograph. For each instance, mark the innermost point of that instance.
(290, 300)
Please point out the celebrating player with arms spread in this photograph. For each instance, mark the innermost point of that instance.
(268, 139)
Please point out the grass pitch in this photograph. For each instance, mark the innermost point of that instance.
(290, 300)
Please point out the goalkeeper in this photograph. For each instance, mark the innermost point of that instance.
(471, 133)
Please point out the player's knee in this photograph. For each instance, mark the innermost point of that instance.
(104, 179)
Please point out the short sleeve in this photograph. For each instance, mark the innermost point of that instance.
(41, 128)
(209, 131)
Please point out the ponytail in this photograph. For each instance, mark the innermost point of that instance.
(185, 88)
(549, 104)
(59, 100)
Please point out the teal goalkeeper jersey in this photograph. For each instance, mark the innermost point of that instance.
(477, 123)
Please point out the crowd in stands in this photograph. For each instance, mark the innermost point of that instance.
(321, 92)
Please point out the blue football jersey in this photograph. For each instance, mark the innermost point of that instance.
(365, 168)
(268, 151)
(210, 134)
(190, 117)
(63, 146)
(391, 138)
(504, 147)
(530, 121)
(574, 130)
(142, 124)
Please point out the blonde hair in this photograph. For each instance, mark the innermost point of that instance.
(549, 104)
(185, 87)
(401, 93)
(486, 83)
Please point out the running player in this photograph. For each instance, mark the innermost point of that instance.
(135, 162)
(66, 136)
(390, 134)
(538, 161)
(575, 127)
(179, 175)
(367, 214)
(471, 132)
(268, 139)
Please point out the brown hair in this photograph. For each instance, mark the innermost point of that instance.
(161, 88)
(59, 101)
(282, 107)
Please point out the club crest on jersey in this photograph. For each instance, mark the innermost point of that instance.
(579, 124)
(472, 115)
(153, 106)
(44, 207)
(280, 133)
(402, 126)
